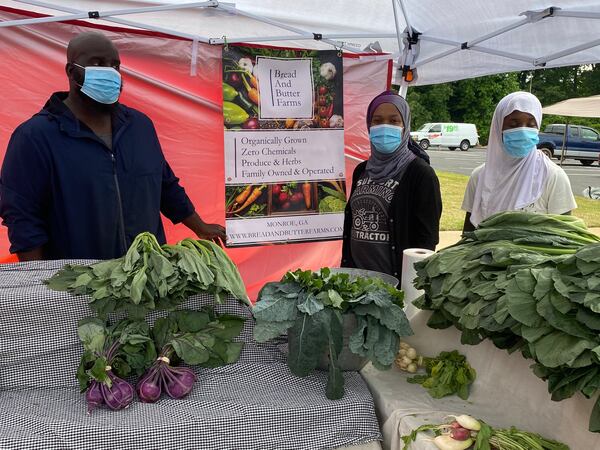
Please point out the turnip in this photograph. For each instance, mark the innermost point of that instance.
(460, 434)
(411, 368)
(445, 442)
(467, 422)
(94, 396)
(404, 345)
(411, 353)
(119, 394)
(178, 381)
(148, 387)
(402, 352)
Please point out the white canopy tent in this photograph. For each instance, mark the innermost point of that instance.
(441, 40)
(576, 107)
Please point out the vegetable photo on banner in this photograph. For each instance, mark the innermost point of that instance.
(528, 282)
(311, 306)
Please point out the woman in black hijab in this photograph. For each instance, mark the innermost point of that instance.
(395, 201)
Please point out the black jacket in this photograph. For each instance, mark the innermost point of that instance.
(62, 188)
(415, 213)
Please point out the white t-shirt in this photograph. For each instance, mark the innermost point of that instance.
(557, 197)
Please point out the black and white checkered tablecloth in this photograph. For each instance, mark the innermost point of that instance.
(253, 404)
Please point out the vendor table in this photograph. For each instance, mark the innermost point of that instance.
(253, 404)
(506, 393)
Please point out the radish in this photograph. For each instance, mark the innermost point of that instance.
(467, 422)
(460, 434)
(411, 353)
(445, 442)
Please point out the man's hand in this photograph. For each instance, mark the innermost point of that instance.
(209, 231)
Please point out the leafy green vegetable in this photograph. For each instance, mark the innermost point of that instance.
(152, 277)
(528, 282)
(199, 337)
(447, 374)
(331, 204)
(126, 347)
(310, 307)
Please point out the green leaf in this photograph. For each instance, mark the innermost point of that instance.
(192, 348)
(558, 348)
(335, 379)
(274, 306)
(482, 442)
(306, 341)
(357, 340)
(335, 298)
(264, 331)
(98, 371)
(395, 320)
(310, 305)
(138, 284)
(92, 332)
(227, 327)
(189, 321)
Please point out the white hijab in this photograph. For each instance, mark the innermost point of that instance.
(506, 183)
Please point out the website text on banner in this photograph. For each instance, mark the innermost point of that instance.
(284, 145)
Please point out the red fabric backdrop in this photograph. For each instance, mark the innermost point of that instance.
(186, 112)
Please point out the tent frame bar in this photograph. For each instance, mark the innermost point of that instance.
(103, 14)
(530, 17)
(129, 23)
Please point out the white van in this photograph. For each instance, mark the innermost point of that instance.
(451, 135)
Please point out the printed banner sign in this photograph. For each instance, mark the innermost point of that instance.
(284, 145)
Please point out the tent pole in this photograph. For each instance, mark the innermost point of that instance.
(403, 90)
(297, 38)
(568, 51)
(102, 14)
(564, 144)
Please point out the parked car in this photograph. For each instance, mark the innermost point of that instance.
(451, 135)
(582, 143)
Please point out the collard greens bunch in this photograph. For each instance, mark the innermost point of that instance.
(309, 306)
(530, 283)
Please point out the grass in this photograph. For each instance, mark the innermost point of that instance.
(453, 189)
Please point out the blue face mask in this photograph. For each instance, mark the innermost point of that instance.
(102, 84)
(385, 138)
(520, 142)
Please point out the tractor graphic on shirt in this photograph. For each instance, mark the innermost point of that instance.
(366, 220)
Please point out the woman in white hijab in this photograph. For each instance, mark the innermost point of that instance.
(516, 176)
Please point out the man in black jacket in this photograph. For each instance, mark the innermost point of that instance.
(86, 174)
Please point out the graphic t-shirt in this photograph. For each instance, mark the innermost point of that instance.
(370, 233)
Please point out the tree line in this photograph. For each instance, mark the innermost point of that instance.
(474, 100)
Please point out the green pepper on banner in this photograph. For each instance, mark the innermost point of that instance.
(284, 145)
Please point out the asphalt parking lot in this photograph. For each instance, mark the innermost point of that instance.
(443, 159)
